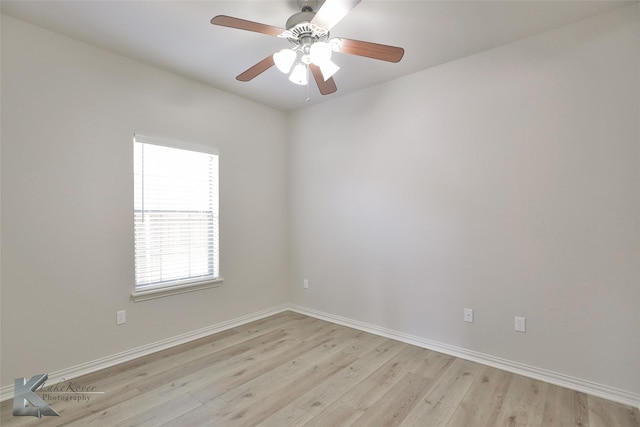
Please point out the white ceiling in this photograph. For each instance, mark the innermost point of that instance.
(177, 36)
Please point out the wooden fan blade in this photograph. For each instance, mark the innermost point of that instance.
(332, 11)
(371, 50)
(257, 69)
(243, 24)
(326, 86)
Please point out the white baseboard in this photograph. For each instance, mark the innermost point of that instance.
(599, 390)
(6, 392)
(588, 387)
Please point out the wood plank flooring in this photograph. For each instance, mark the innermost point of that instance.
(294, 370)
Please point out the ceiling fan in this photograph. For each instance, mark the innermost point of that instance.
(308, 31)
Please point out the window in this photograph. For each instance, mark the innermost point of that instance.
(176, 242)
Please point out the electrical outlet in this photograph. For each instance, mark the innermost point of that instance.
(121, 317)
(306, 284)
(468, 315)
(521, 324)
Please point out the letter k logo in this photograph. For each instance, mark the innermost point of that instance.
(24, 393)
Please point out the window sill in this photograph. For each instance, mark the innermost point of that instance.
(165, 291)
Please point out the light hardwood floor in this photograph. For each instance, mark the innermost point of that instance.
(293, 370)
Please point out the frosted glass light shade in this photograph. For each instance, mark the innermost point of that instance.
(328, 69)
(299, 74)
(320, 53)
(284, 59)
(335, 44)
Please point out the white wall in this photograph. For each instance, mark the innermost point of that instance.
(506, 182)
(69, 111)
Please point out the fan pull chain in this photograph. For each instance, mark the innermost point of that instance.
(308, 90)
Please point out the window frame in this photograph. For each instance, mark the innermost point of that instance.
(143, 293)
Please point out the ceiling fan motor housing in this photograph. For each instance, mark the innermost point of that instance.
(302, 32)
(299, 18)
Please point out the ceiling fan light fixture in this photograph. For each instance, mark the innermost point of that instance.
(284, 60)
(328, 68)
(299, 74)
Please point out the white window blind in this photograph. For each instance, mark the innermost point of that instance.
(175, 215)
